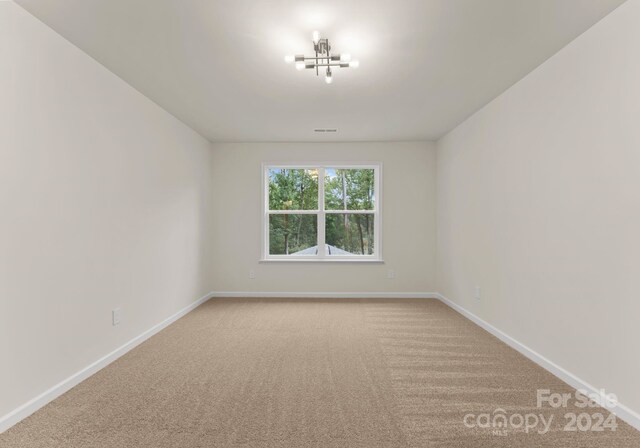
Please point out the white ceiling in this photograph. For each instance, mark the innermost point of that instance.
(425, 65)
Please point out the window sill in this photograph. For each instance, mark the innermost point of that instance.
(323, 260)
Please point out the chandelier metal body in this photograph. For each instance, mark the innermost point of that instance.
(322, 59)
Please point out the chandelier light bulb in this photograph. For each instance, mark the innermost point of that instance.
(299, 65)
(345, 57)
(316, 37)
(289, 58)
(329, 78)
(354, 64)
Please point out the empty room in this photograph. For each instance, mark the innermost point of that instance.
(331, 224)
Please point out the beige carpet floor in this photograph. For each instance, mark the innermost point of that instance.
(311, 373)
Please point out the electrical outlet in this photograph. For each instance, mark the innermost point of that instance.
(252, 274)
(115, 316)
(478, 293)
(391, 274)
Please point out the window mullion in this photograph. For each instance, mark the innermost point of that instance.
(321, 214)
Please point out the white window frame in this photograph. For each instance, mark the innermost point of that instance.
(322, 257)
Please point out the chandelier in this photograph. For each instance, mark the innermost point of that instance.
(323, 58)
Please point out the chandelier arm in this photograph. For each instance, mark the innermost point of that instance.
(332, 65)
(314, 57)
(328, 56)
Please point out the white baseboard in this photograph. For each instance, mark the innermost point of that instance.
(10, 419)
(22, 412)
(327, 295)
(621, 411)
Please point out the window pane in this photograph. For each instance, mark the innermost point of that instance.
(293, 189)
(293, 234)
(349, 189)
(349, 234)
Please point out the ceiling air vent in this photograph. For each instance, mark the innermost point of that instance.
(325, 130)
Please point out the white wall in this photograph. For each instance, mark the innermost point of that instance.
(103, 203)
(408, 229)
(539, 204)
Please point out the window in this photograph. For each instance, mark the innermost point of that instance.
(322, 213)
